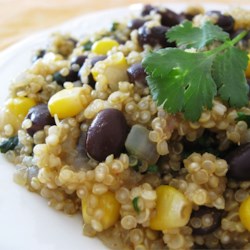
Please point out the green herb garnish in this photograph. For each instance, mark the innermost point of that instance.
(87, 46)
(243, 117)
(135, 204)
(194, 37)
(184, 81)
(8, 144)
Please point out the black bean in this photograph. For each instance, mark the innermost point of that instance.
(238, 161)
(226, 22)
(153, 36)
(186, 16)
(96, 59)
(169, 18)
(106, 134)
(147, 9)
(79, 60)
(137, 74)
(93, 61)
(39, 54)
(136, 23)
(71, 77)
(39, 116)
(216, 215)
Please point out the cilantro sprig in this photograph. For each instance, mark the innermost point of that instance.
(185, 81)
(194, 37)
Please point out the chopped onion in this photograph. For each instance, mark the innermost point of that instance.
(138, 144)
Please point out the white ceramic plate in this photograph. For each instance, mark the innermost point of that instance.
(26, 222)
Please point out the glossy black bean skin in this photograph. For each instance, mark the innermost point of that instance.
(238, 162)
(186, 16)
(136, 23)
(153, 36)
(40, 117)
(96, 59)
(71, 77)
(226, 22)
(79, 60)
(137, 74)
(147, 9)
(106, 134)
(169, 18)
(216, 215)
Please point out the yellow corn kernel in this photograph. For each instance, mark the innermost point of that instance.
(67, 102)
(244, 213)
(108, 205)
(114, 69)
(173, 209)
(247, 72)
(101, 47)
(19, 106)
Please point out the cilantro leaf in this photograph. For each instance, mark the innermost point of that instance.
(193, 37)
(181, 80)
(187, 82)
(232, 88)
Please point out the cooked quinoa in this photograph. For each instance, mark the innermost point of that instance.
(82, 128)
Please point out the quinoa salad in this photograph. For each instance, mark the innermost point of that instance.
(142, 127)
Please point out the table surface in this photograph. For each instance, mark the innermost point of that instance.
(21, 18)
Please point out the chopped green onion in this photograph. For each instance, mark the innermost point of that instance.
(135, 204)
(114, 26)
(243, 117)
(8, 144)
(152, 169)
(88, 45)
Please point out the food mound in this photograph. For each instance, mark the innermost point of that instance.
(142, 127)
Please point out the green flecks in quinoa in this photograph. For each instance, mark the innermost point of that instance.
(55, 163)
(135, 204)
(8, 144)
(87, 46)
(243, 117)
